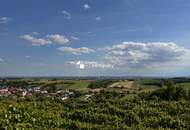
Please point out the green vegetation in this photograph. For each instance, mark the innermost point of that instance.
(100, 83)
(66, 84)
(165, 107)
(150, 82)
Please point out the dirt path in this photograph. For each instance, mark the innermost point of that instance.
(122, 84)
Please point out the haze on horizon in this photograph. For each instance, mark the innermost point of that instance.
(94, 38)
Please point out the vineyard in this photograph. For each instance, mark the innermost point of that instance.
(164, 108)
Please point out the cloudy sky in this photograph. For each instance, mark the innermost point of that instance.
(94, 38)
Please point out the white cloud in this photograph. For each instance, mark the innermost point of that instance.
(76, 51)
(48, 39)
(67, 14)
(1, 60)
(98, 18)
(89, 64)
(144, 55)
(86, 6)
(58, 38)
(74, 38)
(27, 57)
(35, 41)
(36, 33)
(5, 19)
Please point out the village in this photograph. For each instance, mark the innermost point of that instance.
(22, 92)
(61, 90)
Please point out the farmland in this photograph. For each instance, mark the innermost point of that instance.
(96, 104)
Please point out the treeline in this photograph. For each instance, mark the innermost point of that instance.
(101, 83)
(160, 82)
(13, 83)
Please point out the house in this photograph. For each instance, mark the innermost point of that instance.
(69, 92)
(24, 93)
(36, 89)
(29, 94)
(4, 92)
(18, 91)
(87, 96)
(64, 98)
(13, 90)
(52, 94)
(44, 92)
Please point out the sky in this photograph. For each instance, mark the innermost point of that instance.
(94, 38)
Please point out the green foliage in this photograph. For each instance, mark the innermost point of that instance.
(13, 83)
(164, 108)
(171, 93)
(51, 88)
(150, 82)
(17, 117)
(168, 83)
(106, 110)
(100, 84)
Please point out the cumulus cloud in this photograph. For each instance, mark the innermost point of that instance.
(35, 41)
(86, 6)
(89, 64)
(135, 54)
(67, 14)
(98, 18)
(27, 57)
(36, 33)
(1, 60)
(76, 51)
(58, 38)
(5, 19)
(48, 39)
(74, 38)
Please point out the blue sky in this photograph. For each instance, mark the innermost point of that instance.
(94, 38)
